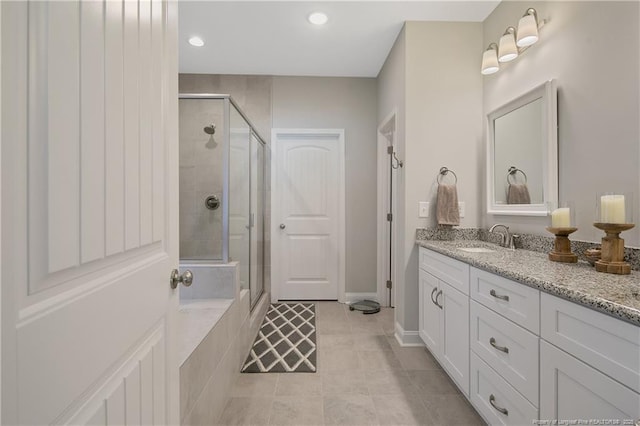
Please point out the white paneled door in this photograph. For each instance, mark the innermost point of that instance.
(89, 212)
(308, 214)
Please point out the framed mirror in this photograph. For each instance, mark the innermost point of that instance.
(522, 154)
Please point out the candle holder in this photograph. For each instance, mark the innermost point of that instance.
(562, 245)
(614, 214)
(612, 258)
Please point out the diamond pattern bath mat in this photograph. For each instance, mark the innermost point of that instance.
(286, 341)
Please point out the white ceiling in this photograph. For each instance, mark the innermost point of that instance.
(275, 38)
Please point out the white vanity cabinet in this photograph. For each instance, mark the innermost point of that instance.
(504, 343)
(590, 364)
(520, 354)
(444, 313)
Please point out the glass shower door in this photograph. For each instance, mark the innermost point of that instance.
(257, 219)
(239, 194)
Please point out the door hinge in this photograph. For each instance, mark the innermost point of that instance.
(389, 217)
(390, 149)
(389, 284)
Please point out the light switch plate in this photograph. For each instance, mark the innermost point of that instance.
(423, 209)
(461, 208)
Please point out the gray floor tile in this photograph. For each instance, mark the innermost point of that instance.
(349, 410)
(338, 360)
(335, 383)
(299, 384)
(449, 410)
(296, 411)
(394, 382)
(336, 341)
(255, 384)
(433, 382)
(368, 342)
(364, 378)
(399, 410)
(379, 360)
(416, 359)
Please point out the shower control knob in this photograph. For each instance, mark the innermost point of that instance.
(212, 202)
(282, 226)
(186, 278)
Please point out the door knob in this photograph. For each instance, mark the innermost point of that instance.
(186, 278)
(282, 226)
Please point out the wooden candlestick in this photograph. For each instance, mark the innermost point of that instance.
(562, 245)
(612, 259)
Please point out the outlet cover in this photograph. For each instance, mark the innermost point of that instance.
(423, 209)
(461, 208)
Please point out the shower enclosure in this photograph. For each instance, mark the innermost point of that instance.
(222, 188)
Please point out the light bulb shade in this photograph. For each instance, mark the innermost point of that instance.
(489, 62)
(527, 31)
(507, 50)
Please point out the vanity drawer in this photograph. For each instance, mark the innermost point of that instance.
(451, 271)
(485, 383)
(606, 343)
(515, 354)
(519, 303)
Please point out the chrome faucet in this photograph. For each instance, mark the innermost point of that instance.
(507, 240)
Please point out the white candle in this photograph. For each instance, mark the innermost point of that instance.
(561, 218)
(612, 209)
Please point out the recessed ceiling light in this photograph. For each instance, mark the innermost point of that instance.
(196, 41)
(318, 18)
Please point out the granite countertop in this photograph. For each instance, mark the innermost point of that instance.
(616, 295)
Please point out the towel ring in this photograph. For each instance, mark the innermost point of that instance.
(511, 173)
(443, 172)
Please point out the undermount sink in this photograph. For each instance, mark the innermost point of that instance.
(476, 249)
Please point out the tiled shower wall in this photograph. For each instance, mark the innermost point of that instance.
(253, 95)
(200, 177)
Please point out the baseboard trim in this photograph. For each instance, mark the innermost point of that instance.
(407, 338)
(355, 297)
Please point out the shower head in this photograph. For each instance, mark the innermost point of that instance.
(210, 129)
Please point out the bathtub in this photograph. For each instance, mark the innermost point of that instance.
(216, 329)
(211, 281)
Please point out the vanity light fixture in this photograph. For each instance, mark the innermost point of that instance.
(490, 60)
(512, 43)
(528, 28)
(196, 41)
(318, 18)
(507, 50)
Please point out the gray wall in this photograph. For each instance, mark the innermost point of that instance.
(200, 177)
(592, 49)
(349, 104)
(443, 127)
(315, 102)
(392, 97)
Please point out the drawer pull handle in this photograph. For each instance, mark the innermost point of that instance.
(432, 299)
(499, 296)
(492, 401)
(437, 295)
(504, 349)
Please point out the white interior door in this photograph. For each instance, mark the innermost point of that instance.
(308, 215)
(89, 212)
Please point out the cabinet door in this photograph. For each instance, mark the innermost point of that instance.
(455, 335)
(429, 326)
(570, 389)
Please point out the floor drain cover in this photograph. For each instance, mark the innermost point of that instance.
(366, 306)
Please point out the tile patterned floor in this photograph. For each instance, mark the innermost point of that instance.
(364, 378)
